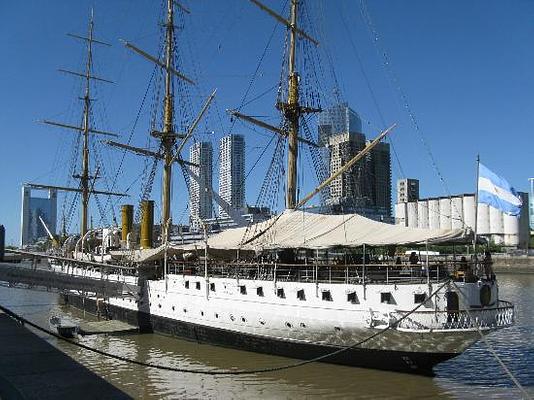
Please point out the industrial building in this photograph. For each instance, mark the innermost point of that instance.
(531, 204)
(366, 187)
(35, 211)
(200, 198)
(459, 212)
(232, 172)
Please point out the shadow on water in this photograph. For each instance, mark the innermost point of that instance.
(475, 374)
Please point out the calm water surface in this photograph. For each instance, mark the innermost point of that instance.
(473, 375)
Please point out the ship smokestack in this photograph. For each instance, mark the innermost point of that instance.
(147, 223)
(127, 222)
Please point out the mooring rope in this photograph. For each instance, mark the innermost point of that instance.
(23, 320)
(492, 350)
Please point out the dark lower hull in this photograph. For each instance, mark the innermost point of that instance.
(399, 361)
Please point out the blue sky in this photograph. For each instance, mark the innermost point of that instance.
(465, 68)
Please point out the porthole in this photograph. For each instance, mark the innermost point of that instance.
(243, 319)
(352, 298)
(385, 297)
(202, 313)
(262, 321)
(159, 305)
(185, 310)
(288, 325)
(232, 318)
(302, 325)
(419, 298)
(158, 296)
(172, 308)
(216, 315)
(337, 328)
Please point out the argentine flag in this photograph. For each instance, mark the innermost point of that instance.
(497, 192)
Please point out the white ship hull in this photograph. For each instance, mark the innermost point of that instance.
(237, 313)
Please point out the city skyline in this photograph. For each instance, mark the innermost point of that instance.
(456, 90)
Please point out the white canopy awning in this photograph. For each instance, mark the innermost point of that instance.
(301, 229)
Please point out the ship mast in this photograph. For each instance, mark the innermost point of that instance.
(168, 137)
(170, 153)
(86, 180)
(292, 110)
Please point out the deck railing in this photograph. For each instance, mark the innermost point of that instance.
(471, 320)
(320, 273)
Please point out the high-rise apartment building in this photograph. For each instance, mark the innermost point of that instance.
(366, 187)
(200, 198)
(33, 210)
(232, 172)
(379, 169)
(337, 119)
(347, 189)
(407, 190)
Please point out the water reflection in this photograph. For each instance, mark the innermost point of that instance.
(475, 374)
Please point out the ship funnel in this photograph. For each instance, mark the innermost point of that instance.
(147, 223)
(127, 222)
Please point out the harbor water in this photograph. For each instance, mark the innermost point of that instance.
(473, 375)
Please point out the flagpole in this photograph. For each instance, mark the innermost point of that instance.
(476, 210)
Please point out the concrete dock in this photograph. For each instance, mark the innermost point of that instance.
(31, 368)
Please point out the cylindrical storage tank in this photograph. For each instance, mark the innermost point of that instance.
(483, 225)
(147, 223)
(445, 213)
(457, 213)
(400, 214)
(412, 214)
(469, 211)
(496, 221)
(422, 214)
(511, 230)
(433, 214)
(127, 221)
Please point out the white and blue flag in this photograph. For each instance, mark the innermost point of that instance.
(497, 192)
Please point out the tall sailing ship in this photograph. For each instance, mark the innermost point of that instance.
(301, 284)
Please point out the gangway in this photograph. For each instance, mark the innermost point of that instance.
(103, 285)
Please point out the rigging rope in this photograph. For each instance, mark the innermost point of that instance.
(23, 320)
(404, 99)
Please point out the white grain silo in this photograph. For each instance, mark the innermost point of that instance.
(469, 210)
(445, 213)
(483, 227)
(457, 212)
(433, 213)
(496, 225)
(511, 230)
(422, 214)
(412, 214)
(400, 214)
